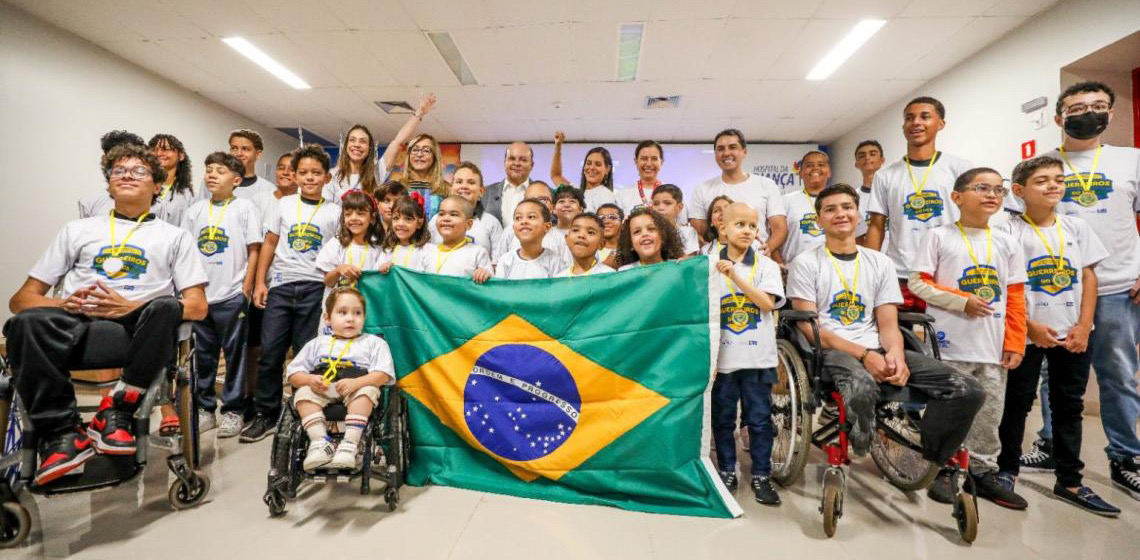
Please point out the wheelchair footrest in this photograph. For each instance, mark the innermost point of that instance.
(101, 471)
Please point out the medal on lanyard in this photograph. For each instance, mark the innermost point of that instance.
(739, 316)
(439, 253)
(852, 311)
(1087, 197)
(1060, 277)
(986, 292)
(330, 373)
(300, 244)
(919, 201)
(113, 265)
(212, 230)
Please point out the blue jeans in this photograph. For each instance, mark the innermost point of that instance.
(292, 316)
(1115, 362)
(223, 330)
(752, 388)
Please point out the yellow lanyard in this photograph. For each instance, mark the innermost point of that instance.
(919, 188)
(738, 302)
(348, 256)
(974, 257)
(330, 373)
(212, 225)
(115, 251)
(1059, 257)
(1085, 185)
(439, 253)
(586, 273)
(306, 225)
(849, 288)
(165, 189)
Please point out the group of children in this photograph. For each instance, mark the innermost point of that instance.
(296, 248)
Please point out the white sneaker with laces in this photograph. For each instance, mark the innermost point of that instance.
(230, 426)
(318, 455)
(206, 421)
(345, 456)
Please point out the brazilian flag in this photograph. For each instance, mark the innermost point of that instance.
(588, 390)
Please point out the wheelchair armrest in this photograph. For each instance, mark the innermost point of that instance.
(796, 315)
(914, 318)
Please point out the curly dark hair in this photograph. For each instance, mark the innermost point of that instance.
(312, 151)
(138, 151)
(118, 138)
(182, 178)
(408, 208)
(360, 200)
(671, 246)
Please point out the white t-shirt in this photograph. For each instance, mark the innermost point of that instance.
(408, 256)
(748, 334)
(259, 192)
(603, 253)
(1112, 215)
(224, 251)
(943, 255)
(554, 240)
(159, 259)
(758, 191)
(300, 239)
(484, 231)
(172, 207)
(630, 198)
(813, 278)
(512, 266)
(598, 196)
(598, 268)
(337, 188)
(511, 196)
(689, 240)
(803, 225)
(368, 353)
(909, 216)
(457, 262)
(1057, 306)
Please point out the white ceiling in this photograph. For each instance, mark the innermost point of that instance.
(736, 63)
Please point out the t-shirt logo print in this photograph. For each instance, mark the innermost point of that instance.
(1045, 278)
(133, 260)
(923, 206)
(520, 402)
(1099, 188)
(738, 319)
(809, 225)
(847, 309)
(212, 241)
(305, 237)
(981, 281)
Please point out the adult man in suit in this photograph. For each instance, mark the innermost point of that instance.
(502, 197)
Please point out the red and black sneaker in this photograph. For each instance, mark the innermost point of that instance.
(111, 429)
(63, 455)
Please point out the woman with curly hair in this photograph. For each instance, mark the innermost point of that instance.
(647, 238)
(176, 194)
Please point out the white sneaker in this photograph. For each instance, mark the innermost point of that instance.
(345, 456)
(230, 425)
(319, 454)
(206, 421)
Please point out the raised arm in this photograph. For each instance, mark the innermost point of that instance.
(556, 176)
(405, 133)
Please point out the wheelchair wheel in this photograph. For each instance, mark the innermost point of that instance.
(831, 507)
(15, 524)
(790, 416)
(400, 442)
(899, 459)
(966, 513)
(185, 495)
(276, 502)
(392, 498)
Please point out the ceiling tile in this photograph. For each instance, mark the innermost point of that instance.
(345, 55)
(860, 9)
(747, 48)
(372, 15)
(898, 45)
(221, 18)
(1019, 7)
(775, 9)
(941, 8)
(663, 57)
(440, 15)
(291, 16)
(410, 58)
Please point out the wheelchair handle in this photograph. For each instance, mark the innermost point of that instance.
(797, 315)
(914, 318)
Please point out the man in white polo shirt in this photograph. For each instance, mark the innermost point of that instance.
(757, 191)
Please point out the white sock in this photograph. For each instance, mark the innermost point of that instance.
(353, 427)
(314, 425)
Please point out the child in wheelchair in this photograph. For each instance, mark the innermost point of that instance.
(348, 366)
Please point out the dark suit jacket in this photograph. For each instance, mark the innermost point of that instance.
(493, 200)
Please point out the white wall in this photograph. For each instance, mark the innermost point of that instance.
(983, 95)
(59, 94)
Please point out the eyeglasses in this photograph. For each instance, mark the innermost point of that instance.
(137, 172)
(609, 217)
(1082, 108)
(421, 151)
(543, 199)
(984, 189)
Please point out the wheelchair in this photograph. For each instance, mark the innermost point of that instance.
(385, 445)
(104, 347)
(896, 446)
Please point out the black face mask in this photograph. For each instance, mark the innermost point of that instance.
(1086, 125)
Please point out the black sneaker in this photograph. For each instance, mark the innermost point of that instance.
(1126, 476)
(998, 488)
(256, 430)
(730, 481)
(1087, 500)
(764, 492)
(63, 455)
(1040, 458)
(943, 489)
(112, 428)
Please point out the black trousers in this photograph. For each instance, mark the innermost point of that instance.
(1068, 377)
(292, 317)
(42, 341)
(223, 330)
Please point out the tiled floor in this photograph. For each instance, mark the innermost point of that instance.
(334, 521)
